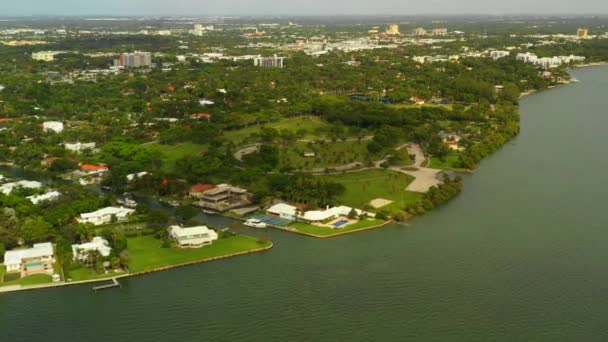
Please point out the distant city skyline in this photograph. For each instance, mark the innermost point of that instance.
(310, 7)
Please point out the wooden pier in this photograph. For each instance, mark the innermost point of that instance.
(113, 284)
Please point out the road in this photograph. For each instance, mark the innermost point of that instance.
(425, 177)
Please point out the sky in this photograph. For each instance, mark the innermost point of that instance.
(298, 7)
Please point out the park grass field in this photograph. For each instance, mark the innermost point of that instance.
(362, 187)
(326, 232)
(312, 126)
(171, 153)
(450, 163)
(146, 252)
(327, 154)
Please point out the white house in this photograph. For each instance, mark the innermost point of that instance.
(8, 187)
(282, 210)
(290, 212)
(104, 216)
(49, 196)
(192, 237)
(497, 54)
(98, 243)
(331, 213)
(79, 147)
(133, 176)
(205, 102)
(18, 259)
(52, 126)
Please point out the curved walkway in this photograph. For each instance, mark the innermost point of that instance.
(424, 177)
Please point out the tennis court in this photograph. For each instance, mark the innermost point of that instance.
(271, 220)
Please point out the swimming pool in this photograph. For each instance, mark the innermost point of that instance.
(340, 223)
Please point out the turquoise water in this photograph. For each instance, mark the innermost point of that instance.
(519, 256)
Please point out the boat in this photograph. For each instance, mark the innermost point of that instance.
(255, 223)
(174, 203)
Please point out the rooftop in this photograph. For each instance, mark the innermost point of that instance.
(37, 251)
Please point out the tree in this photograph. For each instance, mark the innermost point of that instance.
(36, 229)
(352, 214)
(185, 213)
(124, 259)
(63, 165)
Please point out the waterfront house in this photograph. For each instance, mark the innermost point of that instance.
(313, 216)
(197, 190)
(192, 237)
(35, 260)
(292, 213)
(99, 244)
(223, 197)
(105, 215)
(284, 211)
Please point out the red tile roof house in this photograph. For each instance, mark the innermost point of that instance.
(197, 190)
(93, 169)
(201, 116)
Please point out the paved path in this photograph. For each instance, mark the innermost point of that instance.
(252, 148)
(425, 177)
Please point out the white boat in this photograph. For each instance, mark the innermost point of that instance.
(255, 223)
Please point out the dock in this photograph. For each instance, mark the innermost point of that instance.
(113, 284)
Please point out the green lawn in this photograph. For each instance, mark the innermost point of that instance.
(171, 153)
(451, 162)
(313, 126)
(431, 105)
(327, 154)
(324, 231)
(362, 187)
(403, 157)
(146, 253)
(30, 280)
(84, 273)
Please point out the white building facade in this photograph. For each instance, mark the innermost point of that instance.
(105, 215)
(99, 244)
(192, 237)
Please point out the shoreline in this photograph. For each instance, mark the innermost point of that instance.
(587, 65)
(571, 81)
(17, 288)
(294, 230)
(13, 288)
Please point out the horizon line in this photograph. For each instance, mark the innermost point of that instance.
(105, 15)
